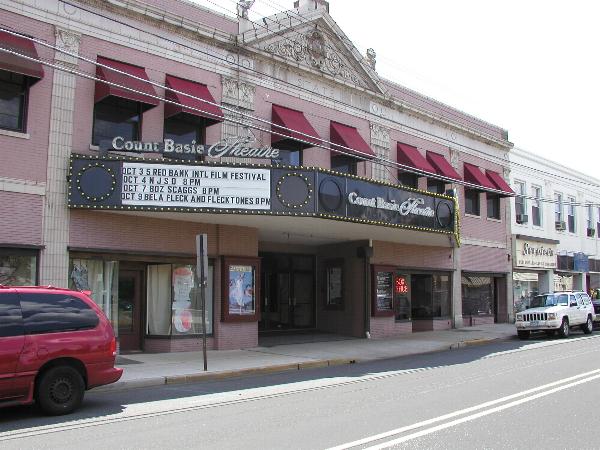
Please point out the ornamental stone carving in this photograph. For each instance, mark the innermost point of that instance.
(371, 58)
(238, 92)
(380, 135)
(312, 49)
(454, 157)
(68, 41)
(243, 6)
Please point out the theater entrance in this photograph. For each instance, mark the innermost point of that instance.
(287, 292)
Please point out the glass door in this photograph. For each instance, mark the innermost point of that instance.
(129, 309)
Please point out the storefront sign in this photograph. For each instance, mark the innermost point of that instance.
(238, 148)
(131, 184)
(535, 254)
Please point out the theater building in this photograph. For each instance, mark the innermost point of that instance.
(333, 200)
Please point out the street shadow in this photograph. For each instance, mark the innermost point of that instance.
(107, 403)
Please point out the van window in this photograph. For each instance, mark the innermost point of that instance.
(11, 323)
(48, 313)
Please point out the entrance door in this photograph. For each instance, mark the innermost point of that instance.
(130, 310)
(288, 300)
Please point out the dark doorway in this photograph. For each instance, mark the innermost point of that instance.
(288, 292)
(130, 310)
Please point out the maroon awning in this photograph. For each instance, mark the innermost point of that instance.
(18, 64)
(206, 108)
(104, 90)
(475, 176)
(442, 166)
(347, 136)
(410, 156)
(498, 181)
(284, 120)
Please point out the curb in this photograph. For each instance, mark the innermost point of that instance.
(222, 375)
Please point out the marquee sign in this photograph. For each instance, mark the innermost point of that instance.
(123, 183)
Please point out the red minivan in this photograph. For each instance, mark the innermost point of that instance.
(54, 344)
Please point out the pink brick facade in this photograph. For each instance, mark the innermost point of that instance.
(152, 237)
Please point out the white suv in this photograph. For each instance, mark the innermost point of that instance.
(558, 311)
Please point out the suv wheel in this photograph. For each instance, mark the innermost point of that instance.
(588, 326)
(523, 334)
(60, 390)
(564, 329)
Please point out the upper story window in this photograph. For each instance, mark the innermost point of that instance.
(558, 207)
(14, 89)
(493, 206)
(408, 179)
(343, 164)
(520, 203)
(590, 221)
(472, 202)
(17, 75)
(536, 206)
(571, 214)
(437, 186)
(116, 116)
(598, 224)
(117, 111)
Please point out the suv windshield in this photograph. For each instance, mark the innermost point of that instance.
(549, 300)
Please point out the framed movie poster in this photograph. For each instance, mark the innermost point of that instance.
(383, 291)
(334, 284)
(241, 296)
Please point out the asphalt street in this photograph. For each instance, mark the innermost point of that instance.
(519, 395)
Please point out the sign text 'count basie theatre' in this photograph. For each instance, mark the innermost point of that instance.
(124, 183)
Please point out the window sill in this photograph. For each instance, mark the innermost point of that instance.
(473, 216)
(15, 134)
(95, 148)
(492, 219)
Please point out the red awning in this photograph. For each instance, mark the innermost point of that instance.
(18, 64)
(498, 181)
(344, 135)
(209, 111)
(104, 90)
(283, 118)
(410, 156)
(441, 165)
(474, 175)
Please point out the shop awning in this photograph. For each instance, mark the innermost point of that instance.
(498, 181)
(205, 109)
(410, 156)
(18, 64)
(474, 175)
(104, 90)
(442, 166)
(347, 136)
(284, 120)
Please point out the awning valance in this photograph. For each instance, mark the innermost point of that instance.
(206, 109)
(347, 136)
(498, 181)
(104, 90)
(18, 64)
(475, 176)
(410, 156)
(442, 166)
(286, 121)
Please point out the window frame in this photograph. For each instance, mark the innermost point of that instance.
(558, 207)
(520, 200)
(537, 203)
(352, 164)
(571, 208)
(496, 202)
(24, 103)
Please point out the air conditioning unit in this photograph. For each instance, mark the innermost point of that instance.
(560, 226)
(522, 218)
(591, 232)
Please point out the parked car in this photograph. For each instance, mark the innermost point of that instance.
(54, 344)
(556, 312)
(596, 303)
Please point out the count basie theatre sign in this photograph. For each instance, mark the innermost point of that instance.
(126, 183)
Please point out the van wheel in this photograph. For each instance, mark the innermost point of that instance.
(588, 326)
(60, 390)
(564, 329)
(523, 334)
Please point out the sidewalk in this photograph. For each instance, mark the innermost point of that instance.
(152, 369)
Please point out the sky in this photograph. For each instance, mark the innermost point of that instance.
(531, 67)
